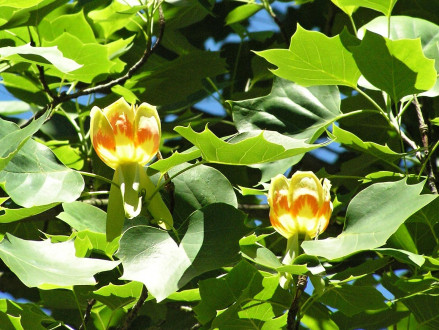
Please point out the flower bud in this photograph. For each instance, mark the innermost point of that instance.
(299, 206)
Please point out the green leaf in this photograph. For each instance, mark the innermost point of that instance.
(171, 78)
(348, 9)
(370, 319)
(93, 57)
(352, 299)
(25, 12)
(82, 216)
(289, 109)
(243, 12)
(246, 298)
(397, 67)
(118, 296)
(406, 27)
(12, 139)
(383, 6)
(407, 257)
(427, 315)
(34, 177)
(44, 56)
(251, 147)
(14, 315)
(111, 18)
(87, 241)
(314, 59)
(69, 156)
(11, 215)
(149, 255)
(199, 187)
(164, 165)
(372, 217)
(8, 108)
(350, 140)
(42, 264)
(75, 24)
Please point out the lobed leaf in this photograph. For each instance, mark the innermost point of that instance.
(251, 147)
(372, 217)
(38, 264)
(315, 59)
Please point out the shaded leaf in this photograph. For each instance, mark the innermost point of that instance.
(289, 109)
(352, 299)
(398, 67)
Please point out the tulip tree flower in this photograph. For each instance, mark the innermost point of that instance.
(299, 208)
(126, 138)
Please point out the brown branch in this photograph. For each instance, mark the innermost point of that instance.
(63, 97)
(423, 130)
(44, 82)
(257, 211)
(87, 314)
(132, 314)
(293, 320)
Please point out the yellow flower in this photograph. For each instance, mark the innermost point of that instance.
(123, 134)
(300, 206)
(126, 138)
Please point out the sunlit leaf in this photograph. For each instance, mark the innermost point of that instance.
(149, 255)
(250, 148)
(40, 55)
(43, 263)
(383, 6)
(372, 217)
(34, 177)
(12, 139)
(314, 59)
(243, 12)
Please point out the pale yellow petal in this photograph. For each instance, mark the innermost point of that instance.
(102, 138)
(147, 132)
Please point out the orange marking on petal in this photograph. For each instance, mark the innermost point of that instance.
(105, 141)
(121, 125)
(305, 206)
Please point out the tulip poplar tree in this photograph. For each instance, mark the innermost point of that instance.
(201, 164)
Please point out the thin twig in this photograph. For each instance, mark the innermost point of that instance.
(87, 314)
(257, 211)
(44, 82)
(423, 130)
(104, 87)
(293, 321)
(276, 19)
(169, 186)
(135, 310)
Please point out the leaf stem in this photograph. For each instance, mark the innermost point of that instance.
(99, 177)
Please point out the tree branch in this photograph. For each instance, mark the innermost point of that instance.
(423, 130)
(293, 321)
(87, 314)
(135, 310)
(63, 97)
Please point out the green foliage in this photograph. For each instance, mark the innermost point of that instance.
(346, 89)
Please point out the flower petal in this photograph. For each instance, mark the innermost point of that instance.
(305, 183)
(147, 133)
(102, 137)
(280, 217)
